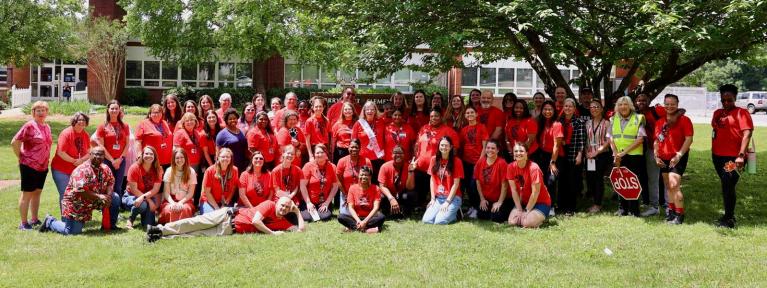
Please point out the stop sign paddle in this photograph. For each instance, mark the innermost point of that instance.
(625, 183)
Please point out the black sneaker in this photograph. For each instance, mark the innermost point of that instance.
(153, 233)
(670, 215)
(678, 220)
(45, 226)
(725, 223)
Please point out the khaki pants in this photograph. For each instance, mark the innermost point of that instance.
(216, 223)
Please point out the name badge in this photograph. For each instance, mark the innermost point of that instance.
(713, 134)
(193, 151)
(441, 189)
(116, 147)
(163, 146)
(661, 138)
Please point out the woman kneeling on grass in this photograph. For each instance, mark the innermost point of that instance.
(446, 172)
(269, 217)
(364, 201)
(531, 198)
(672, 144)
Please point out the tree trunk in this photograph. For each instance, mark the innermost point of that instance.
(259, 76)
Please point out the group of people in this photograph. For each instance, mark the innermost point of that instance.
(192, 169)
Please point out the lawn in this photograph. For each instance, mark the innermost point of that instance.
(568, 252)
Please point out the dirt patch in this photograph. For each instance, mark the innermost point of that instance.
(8, 183)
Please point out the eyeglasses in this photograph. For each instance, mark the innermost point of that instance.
(595, 107)
(259, 158)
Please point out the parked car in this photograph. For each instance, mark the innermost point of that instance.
(753, 101)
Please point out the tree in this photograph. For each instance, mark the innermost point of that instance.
(104, 41)
(205, 30)
(658, 41)
(738, 72)
(31, 31)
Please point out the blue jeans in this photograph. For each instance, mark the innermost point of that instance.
(119, 174)
(342, 207)
(147, 216)
(68, 226)
(206, 208)
(434, 216)
(61, 180)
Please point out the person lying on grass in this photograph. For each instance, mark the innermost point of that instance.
(269, 217)
(89, 188)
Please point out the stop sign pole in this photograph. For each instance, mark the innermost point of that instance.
(625, 183)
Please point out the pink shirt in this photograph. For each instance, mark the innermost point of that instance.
(35, 145)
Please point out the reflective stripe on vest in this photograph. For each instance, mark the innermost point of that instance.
(624, 137)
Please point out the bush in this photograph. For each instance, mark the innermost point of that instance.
(63, 107)
(3, 106)
(183, 92)
(385, 90)
(239, 95)
(430, 88)
(129, 110)
(302, 93)
(135, 97)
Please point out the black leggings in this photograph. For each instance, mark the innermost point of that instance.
(636, 164)
(375, 222)
(595, 180)
(729, 181)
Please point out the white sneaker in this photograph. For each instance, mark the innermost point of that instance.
(551, 212)
(472, 213)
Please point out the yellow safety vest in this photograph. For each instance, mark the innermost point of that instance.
(624, 137)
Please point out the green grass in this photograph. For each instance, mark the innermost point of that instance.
(568, 252)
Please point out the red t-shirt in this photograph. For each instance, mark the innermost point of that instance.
(428, 143)
(263, 141)
(491, 117)
(517, 130)
(284, 138)
(334, 112)
(359, 133)
(320, 181)
(348, 171)
(418, 120)
(318, 130)
(728, 131)
(257, 189)
(363, 200)
(388, 176)
(403, 136)
(36, 143)
(209, 143)
(524, 178)
(75, 144)
(191, 143)
(144, 180)
(672, 136)
(286, 179)
(243, 222)
(114, 136)
(472, 137)
(650, 120)
(342, 132)
(213, 181)
(490, 178)
(158, 136)
(444, 178)
(549, 136)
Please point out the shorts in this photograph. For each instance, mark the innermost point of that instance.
(31, 179)
(543, 208)
(680, 167)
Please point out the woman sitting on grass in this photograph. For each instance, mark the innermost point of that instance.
(363, 205)
(531, 198)
(144, 179)
(446, 172)
(318, 186)
(219, 183)
(180, 181)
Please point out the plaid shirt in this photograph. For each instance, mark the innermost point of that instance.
(576, 141)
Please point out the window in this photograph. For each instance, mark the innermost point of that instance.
(226, 74)
(206, 74)
(505, 78)
(525, 77)
(487, 77)
(469, 77)
(311, 76)
(152, 73)
(169, 74)
(3, 74)
(244, 75)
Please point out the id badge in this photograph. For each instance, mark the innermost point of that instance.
(441, 189)
(193, 151)
(116, 147)
(661, 138)
(591, 165)
(271, 150)
(713, 134)
(163, 146)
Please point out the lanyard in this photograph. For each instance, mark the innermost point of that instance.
(223, 179)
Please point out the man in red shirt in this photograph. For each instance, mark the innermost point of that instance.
(334, 112)
(732, 132)
(489, 115)
(269, 217)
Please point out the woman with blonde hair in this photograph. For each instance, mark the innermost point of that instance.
(454, 113)
(220, 183)
(626, 137)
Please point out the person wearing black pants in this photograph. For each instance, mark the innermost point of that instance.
(636, 164)
(729, 180)
(595, 181)
(571, 168)
(376, 221)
